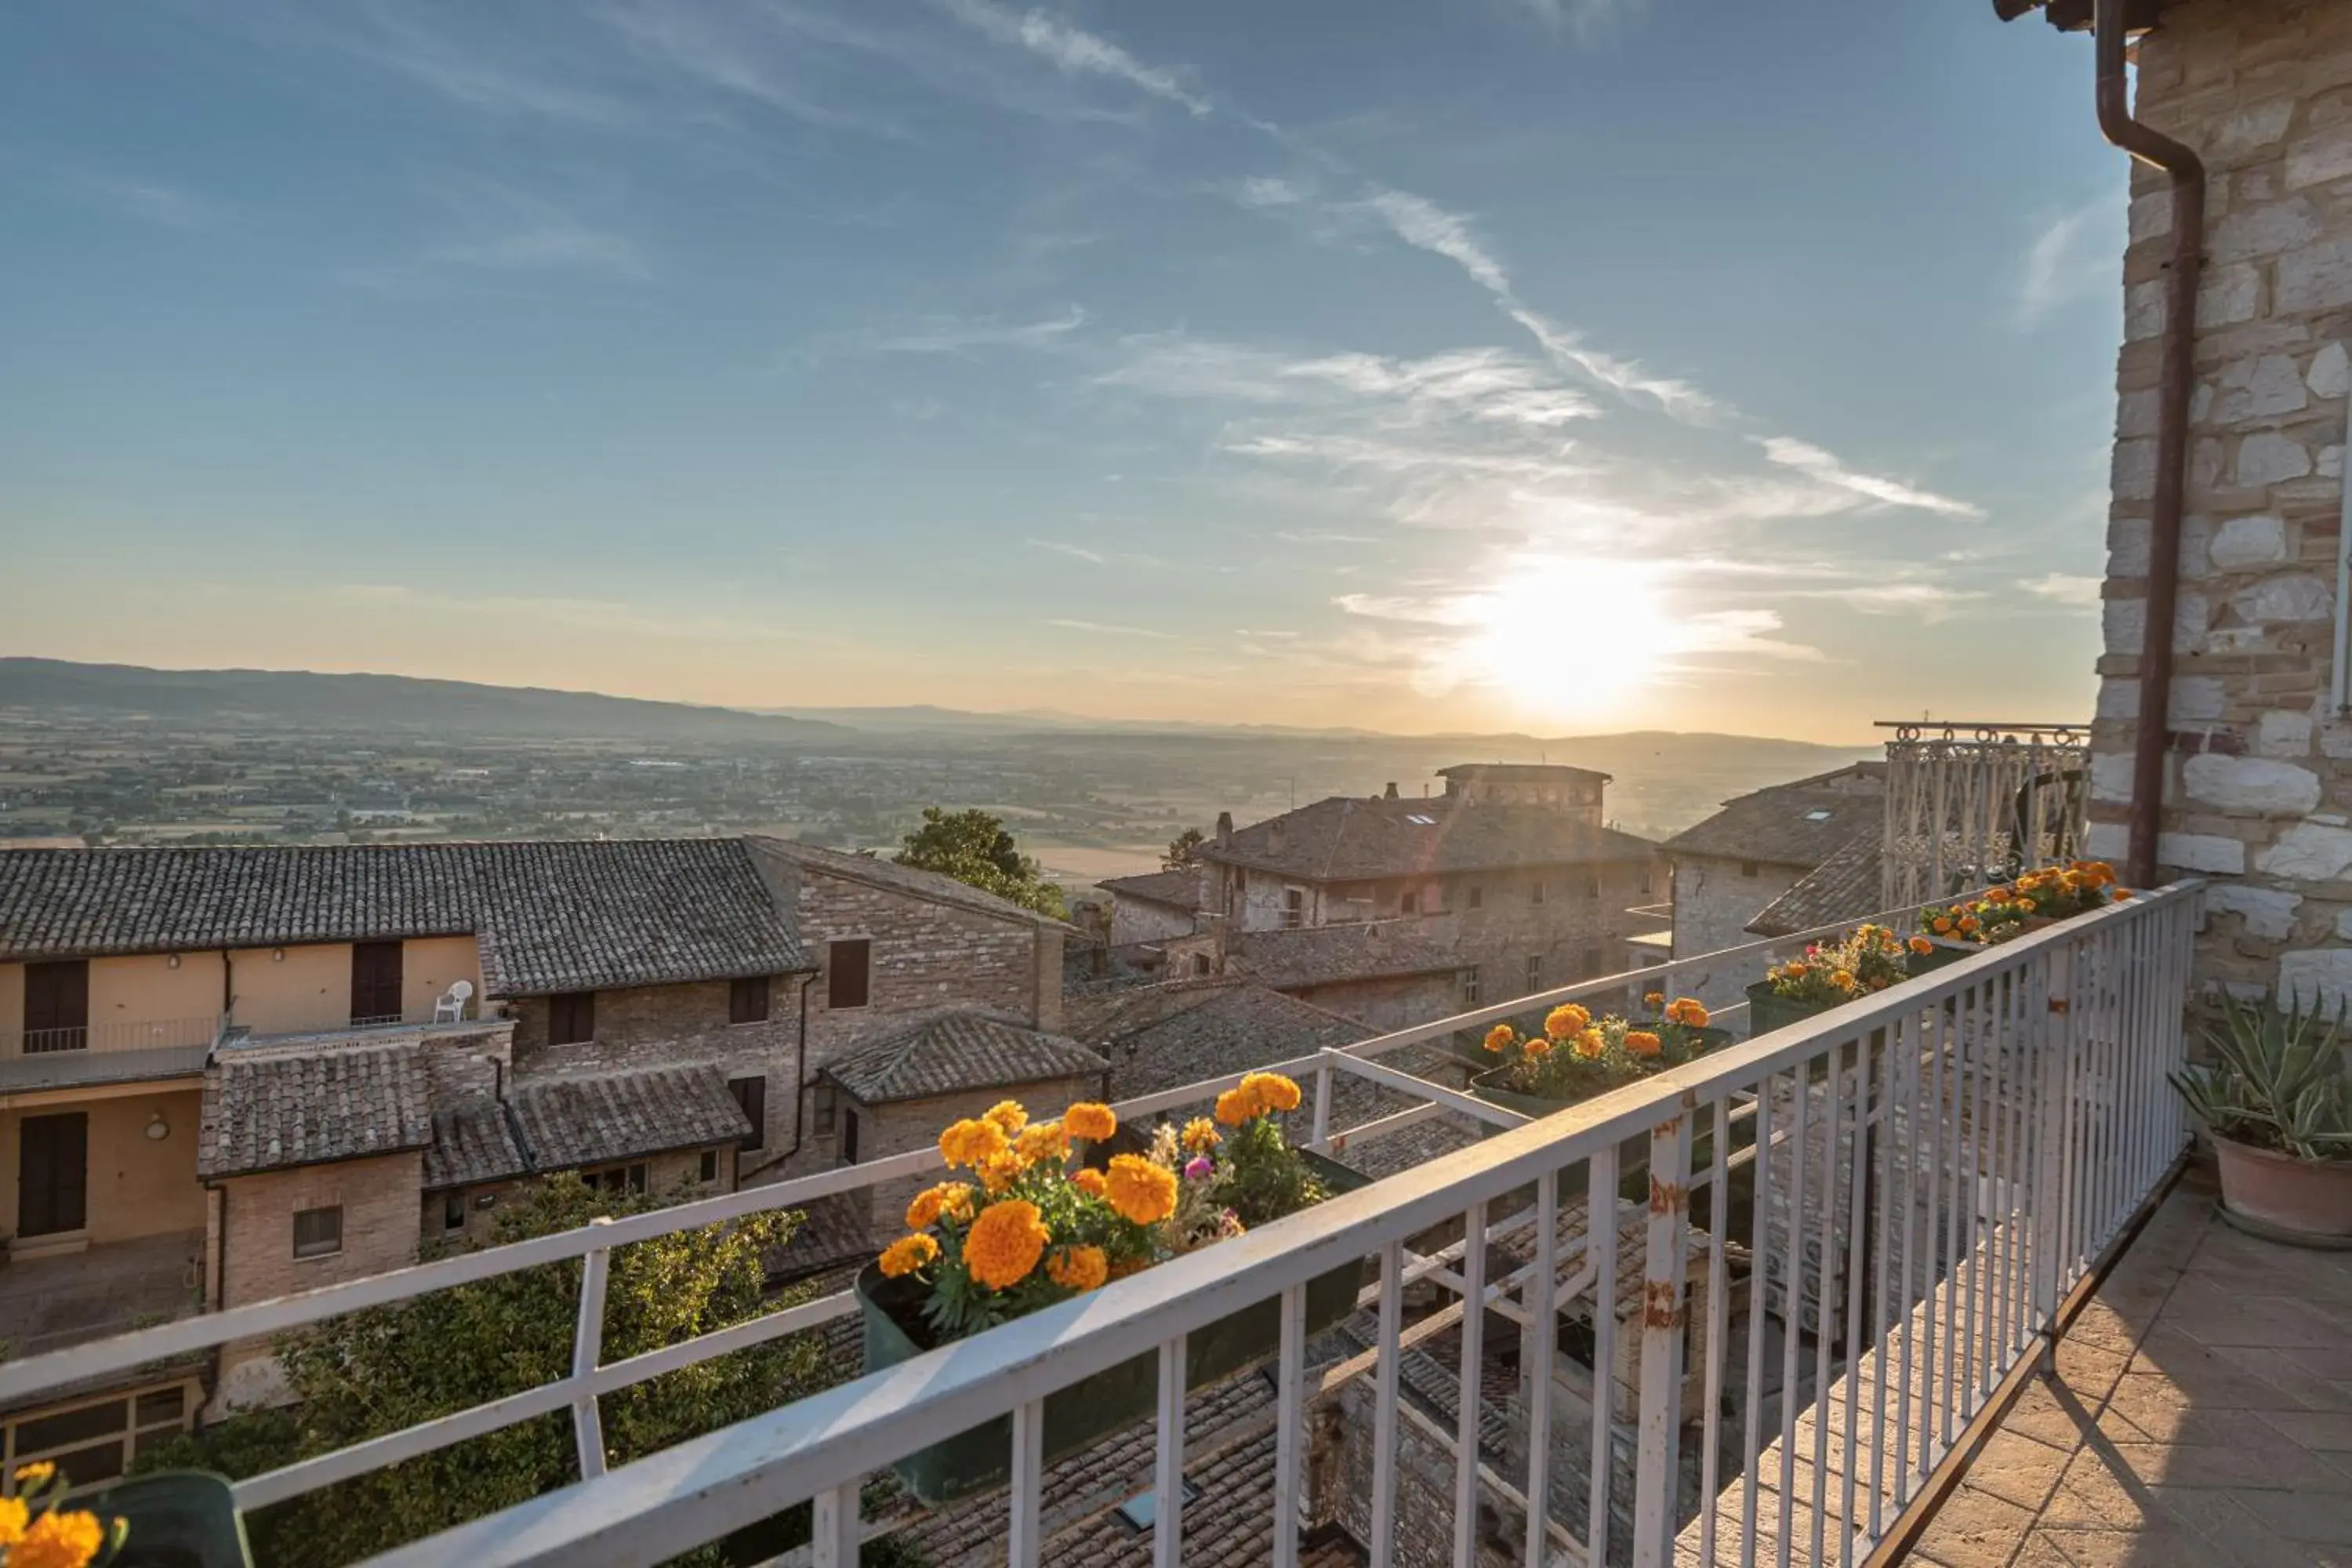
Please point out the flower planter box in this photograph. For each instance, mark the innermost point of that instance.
(1942, 952)
(1081, 1415)
(1769, 1010)
(178, 1518)
(2300, 1202)
(1633, 1155)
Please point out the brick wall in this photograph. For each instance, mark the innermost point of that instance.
(654, 1025)
(2259, 786)
(887, 1130)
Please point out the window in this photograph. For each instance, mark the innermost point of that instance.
(94, 1443)
(1535, 972)
(318, 1233)
(1477, 897)
(709, 1165)
(52, 1173)
(1535, 892)
(453, 1211)
(1649, 881)
(628, 1178)
(1596, 961)
(847, 970)
(1409, 901)
(751, 1094)
(1592, 887)
(1294, 908)
(1820, 814)
(747, 1000)
(1469, 980)
(825, 1109)
(571, 1018)
(57, 1006)
(848, 1137)
(375, 982)
(1200, 963)
(1748, 867)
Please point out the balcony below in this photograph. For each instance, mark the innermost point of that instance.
(50, 1303)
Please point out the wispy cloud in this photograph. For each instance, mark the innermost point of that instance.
(1319, 536)
(715, 51)
(948, 335)
(465, 74)
(2064, 588)
(2071, 258)
(1425, 226)
(1106, 629)
(1075, 551)
(1812, 460)
(1581, 16)
(1072, 50)
(1263, 191)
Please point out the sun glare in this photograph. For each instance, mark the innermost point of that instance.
(1572, 640)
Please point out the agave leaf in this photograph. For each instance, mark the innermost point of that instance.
(2278, 1076)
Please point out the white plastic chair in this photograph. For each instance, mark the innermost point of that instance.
(451, 1008)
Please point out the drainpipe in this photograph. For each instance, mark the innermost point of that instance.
(2176, 381)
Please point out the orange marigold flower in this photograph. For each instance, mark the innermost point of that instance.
(1539, 1048)
(1004, 1245)
(1591, 1043)
(1920, 944)
(1090, 1121)
(1687, 1011)
(971, 1143)
(1001, 1170)
(1199, 1135)
(1641, 1043)
(1088, 1181)
(1967, 925)
(1079, 1268)
(907, 1254)
(1501, 1037)
(1566, 1019)
(1842, 979)
(1653, 999)
(1042, 1140)
(2120, 894)
(58, 1541)
(1009, 1115)
(1233, 1108)
(13, 1515)
(1271, 1091)
(1142, 1193)
(924, 1210)
(1796, 969)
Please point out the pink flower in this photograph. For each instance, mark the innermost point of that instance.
(1198, 1169)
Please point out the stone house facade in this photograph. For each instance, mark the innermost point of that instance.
(2258, 781)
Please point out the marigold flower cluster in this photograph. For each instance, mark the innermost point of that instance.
(1090, 1121)
(37, 1533)
(1870, 959)
(1004, 1243)
(1141, 1192)
(907, 1254)
(1079, 1268)
(1568, 1018)
(1200, 1135)
(2052, 893)
(1258, 1094)
(1687, 1011)
(1578, 1055)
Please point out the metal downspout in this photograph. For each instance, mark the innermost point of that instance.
(2177, 380)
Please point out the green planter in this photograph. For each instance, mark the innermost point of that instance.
(178, 1518)
(1944, 951)
(1083, 1414)
(1633, 1155)
(1768, 1010)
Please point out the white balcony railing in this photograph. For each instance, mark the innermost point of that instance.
(113, 1035)
(1925, 1174)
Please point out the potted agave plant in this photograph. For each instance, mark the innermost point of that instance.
(1021, 1226)
(2278, 1105)
(1867, 962)
(2028, 902)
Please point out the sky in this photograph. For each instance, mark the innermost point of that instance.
(1552, 366)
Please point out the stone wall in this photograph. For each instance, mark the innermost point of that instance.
(1713, 900)
(1387, 1002)
(887, 1130)
(2259, 785)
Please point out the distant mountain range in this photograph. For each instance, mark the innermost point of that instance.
(408, 704)
(386, 703)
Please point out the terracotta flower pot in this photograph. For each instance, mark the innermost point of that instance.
(2285, 1197)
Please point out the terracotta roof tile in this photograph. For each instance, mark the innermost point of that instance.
(1350, 839)
(951, 1053)
(572, 1121)
(1799, 824)
(269, 1111)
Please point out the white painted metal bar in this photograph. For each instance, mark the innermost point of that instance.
(1024, 1524)
(1384, 1418)
(1868, 1061)
(1538, 1350)
(587, 1349)
(1319, 1137)
(1794, 1294)
(837, 1540)
(1759, 1241)
(1168, 1470)
(1290, 1425)
(1658, 1469)
(1927, 1041)
(1601, 1247)
(1832, 1091)
(1473, 1392)
(1719, 1328)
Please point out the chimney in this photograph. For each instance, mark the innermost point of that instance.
(1225, 829)
(1274, 836)
(1391, 793)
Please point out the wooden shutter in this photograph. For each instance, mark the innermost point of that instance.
(848, 1137)
(56, 1006)
(751, 1094)
(847, 966)
(52, 1173)
(376, 980)
(747, 1000)
(571, 1018)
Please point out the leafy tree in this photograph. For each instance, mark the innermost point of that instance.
(1183, 850)
(973, 847)
(378, 1370)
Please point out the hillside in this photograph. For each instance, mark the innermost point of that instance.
(300, 698)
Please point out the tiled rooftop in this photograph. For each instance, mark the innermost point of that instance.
(953, 1053)
(1350, 838)
(266, 1112)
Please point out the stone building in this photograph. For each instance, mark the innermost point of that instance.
(1509, 880)
(894, 947)
(2257, 752)
(1728, 870)
(1155, 907)
(1389, 975)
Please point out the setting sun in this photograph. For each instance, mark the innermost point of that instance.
(1573, 639)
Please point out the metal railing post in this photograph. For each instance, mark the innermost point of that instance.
(1658, 1466)
(587, 1349)
(2047, 1024)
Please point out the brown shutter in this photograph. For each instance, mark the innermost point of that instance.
(52, 1173)
(847, 968)
(747, 1000)
(57, 1005)
(376, 980)
(751, 1094)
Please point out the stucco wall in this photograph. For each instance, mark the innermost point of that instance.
(1134, 920)
(137, 1185)
(430, 966)
(2259, 786)
(1713, 904)
(310, 988)
(148, 989)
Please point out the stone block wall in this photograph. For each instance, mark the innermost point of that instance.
(2258, 793)
(887, 1130)
(1713, 900)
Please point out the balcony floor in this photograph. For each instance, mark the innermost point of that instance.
(49, 1304)
(2200, 1413)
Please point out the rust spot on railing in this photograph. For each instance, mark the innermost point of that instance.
(1661, 1306)
(1666, 1197)
(2057, 1003)
(1667, 1128)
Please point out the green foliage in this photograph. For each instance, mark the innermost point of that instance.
(2277, 1082)
(973, 847)
(375, 1371)
(1183, 850)
(1263, 1178)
